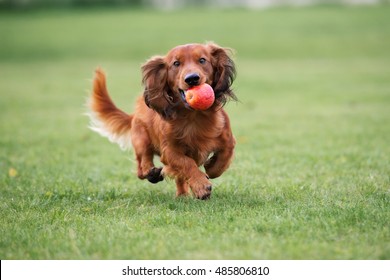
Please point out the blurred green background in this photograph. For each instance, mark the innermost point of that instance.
(311, 175)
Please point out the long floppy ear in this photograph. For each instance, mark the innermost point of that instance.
(156, 93)
(224, 73)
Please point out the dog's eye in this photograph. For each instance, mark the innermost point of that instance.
(202, 60)
(176, 63)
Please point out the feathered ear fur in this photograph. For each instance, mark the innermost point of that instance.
(156, 94)
(224, 73)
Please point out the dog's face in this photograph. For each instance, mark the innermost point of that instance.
(188, 66)
(166, 78)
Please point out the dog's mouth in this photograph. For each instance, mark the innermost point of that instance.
(183, 98)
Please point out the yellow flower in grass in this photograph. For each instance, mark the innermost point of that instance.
(12, 172)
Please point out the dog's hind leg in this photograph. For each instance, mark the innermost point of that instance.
(144, 153)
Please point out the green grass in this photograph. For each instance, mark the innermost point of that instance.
(310, 178)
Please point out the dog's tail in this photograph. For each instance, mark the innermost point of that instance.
(106, 118)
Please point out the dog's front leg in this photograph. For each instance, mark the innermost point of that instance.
(186, 172)
(222, 158)
(182, 187)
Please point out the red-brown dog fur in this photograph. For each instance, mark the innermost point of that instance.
(163, 124)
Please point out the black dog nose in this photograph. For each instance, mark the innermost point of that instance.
(192, 79)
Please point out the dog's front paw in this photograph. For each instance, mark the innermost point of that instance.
(201, 188)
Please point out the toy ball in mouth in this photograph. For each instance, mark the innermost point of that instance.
(200, 97)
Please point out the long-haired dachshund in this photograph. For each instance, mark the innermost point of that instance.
(163, 124)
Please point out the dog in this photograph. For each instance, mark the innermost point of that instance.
(163, 123)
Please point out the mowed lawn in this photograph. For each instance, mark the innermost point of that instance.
(311, 175)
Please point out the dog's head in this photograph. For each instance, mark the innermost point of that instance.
(167, 77)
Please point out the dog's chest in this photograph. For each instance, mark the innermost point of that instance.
(200, 138)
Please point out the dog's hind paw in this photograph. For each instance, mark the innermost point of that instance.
(154, 176)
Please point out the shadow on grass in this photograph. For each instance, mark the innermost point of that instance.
(151, 197)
